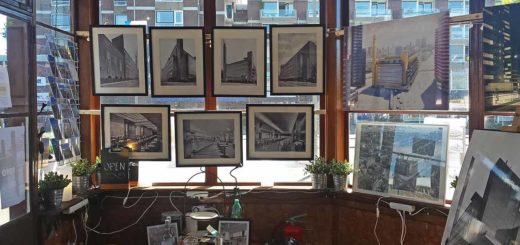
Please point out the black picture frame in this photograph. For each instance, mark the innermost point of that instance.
(165, 154)
(201, 80)
(180, 159)
(275, 155)
(144, 83)
(243, 221)
(274, 84)
(240, 32)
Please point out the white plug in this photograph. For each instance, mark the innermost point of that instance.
(124, 201)
(402, 207)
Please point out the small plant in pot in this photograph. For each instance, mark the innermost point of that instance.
(318, 168)
(340, 171)
(81, 171)
(51, 189)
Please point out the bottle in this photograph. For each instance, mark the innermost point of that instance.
(99, 170)
(236, 210)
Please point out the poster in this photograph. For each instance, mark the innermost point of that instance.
(399, 65)
(12, 166)
(5, 88)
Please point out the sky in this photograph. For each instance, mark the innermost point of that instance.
(290, 43)
(3, 40)
(167, 45)
(130, 43)
(238, 48)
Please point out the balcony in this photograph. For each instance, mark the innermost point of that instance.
(365, 17)
(120, 3)
(268, 16)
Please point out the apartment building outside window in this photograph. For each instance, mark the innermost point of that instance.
(121, 19)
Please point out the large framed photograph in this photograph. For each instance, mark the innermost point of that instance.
(118, 60)
(239, 57)
(211, 138)
(400, 64)
(143, 129)
(162, 234)
(280, 132)
(401, 160)
(485, 207)
(177, 58)
(235, 231)
(297, 65)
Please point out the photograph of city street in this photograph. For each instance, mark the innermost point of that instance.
(399, 64)
(234, 232)
(118, 60)
(501, 57)
(177, 58)
(485, 207)
(402, 160)
(239, 61)
(144, 130)
(276, 132)
(198, 144)
(297, 60)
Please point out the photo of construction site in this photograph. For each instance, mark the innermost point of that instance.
(402, 160)
(399, 64)
(501, 61)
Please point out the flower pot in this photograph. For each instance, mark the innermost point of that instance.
(340, 182)
(80, 184)
(319, 181)
(52, 198)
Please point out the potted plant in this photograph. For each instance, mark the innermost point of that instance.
(51, 189)
(340, 171)
(81, 171)
(318, 168)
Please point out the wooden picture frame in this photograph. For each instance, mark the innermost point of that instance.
(242, 236)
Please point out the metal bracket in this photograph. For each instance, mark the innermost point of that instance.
(207, 39)
(84, 34)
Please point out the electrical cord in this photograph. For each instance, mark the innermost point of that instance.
(380, 199)
(75, 233)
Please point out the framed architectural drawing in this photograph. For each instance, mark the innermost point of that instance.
(297, 59)
(486, 204)
(239, 58)
(401, 160)
(143, 129)
(118, 60)
(210, 138)
(280, 132)
(177, 58)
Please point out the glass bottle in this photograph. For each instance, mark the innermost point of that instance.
(236, 210)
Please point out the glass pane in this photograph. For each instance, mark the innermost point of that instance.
(496, 122)
(457, 141)
(164, 16)
(56, 13)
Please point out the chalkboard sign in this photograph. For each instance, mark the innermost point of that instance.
(115, 167)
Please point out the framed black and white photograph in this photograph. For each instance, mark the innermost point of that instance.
(162, 234)
(177, 58)
(239, 58)
(236, 232)
(118, 60)
(485, 206)
(211, 138)
(402, 160)
(144, 129)
(280, 132)
(297, 59)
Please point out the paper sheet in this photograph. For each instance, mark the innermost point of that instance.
(12, 166)
(5, 88)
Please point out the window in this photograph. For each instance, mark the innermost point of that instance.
(179, 17)
(409, 8)
(229, 11)
(164, 18)
(55, 13)
(362, 9)
(270, 9)
(121, 19)
(314, 9)
(120, 3)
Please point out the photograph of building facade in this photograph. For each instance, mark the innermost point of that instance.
(179, 68)
(238, 61)
(118, 60)
(405, 68)
(141, 132)
(234, 232)
(501, 61)
(201, 141)
(280, 131)
(403, 160)
(298, 50)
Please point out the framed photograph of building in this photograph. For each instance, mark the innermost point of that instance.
(177, 58)
(297, 59)
(401, 64)
(162, 234)
(118, 60)
(239, 58)
(208, 138)
(485, 207)
(280, 132)
(235, 231)
(144, 129)
(401, 160)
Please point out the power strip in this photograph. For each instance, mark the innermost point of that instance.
(76, 206)
(402, 207)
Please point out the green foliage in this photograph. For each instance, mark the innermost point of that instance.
(52, 181)
(454, 182)
(510, 1)
(340, 167)
(317, 166)
(82, 167)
